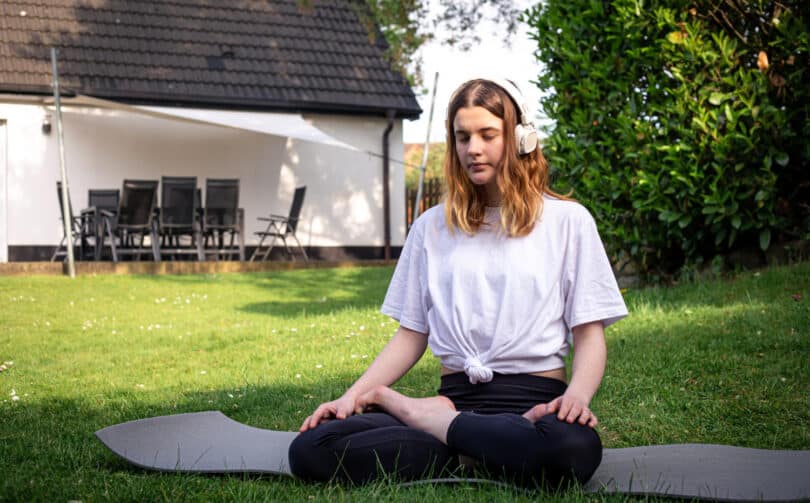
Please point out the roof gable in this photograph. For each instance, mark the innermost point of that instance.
(240, 53)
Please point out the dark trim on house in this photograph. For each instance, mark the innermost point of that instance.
(40, 253)
(219, 103)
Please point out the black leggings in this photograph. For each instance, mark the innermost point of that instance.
(489, 429)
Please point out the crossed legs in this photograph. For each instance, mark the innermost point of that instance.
(417, 437)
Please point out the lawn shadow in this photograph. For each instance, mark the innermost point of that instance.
(782, 283)
(305, 291)
(321, 291)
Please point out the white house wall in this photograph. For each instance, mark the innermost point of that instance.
(344, 199)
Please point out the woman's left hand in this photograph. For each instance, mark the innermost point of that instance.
(568, 408)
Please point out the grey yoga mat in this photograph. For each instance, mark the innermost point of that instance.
(211, 442)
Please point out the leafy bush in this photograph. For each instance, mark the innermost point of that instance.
(682, 125)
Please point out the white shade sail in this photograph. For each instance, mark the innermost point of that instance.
(273, 123)
(286, 125)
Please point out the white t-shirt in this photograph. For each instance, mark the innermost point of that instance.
(490, 302)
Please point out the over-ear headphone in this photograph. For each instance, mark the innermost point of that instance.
(525, 131)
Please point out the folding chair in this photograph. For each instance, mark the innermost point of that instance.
(134, 220)
(76, 229)
(99, 201)
(222, 215)
(178, 216)
(280, 227)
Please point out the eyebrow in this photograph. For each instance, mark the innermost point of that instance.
(482, 130)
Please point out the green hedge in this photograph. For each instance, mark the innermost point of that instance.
(670, 126)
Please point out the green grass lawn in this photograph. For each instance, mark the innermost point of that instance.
(724, 362)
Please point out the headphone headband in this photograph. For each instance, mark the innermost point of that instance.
(525, 132)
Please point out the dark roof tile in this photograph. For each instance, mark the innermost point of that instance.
(262, 55)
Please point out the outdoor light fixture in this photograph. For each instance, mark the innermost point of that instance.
(46, 124)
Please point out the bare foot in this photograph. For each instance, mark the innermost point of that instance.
(432, 415)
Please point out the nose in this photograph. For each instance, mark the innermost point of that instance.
(475, 145)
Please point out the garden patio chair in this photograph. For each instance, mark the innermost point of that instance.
(281, 227)
(128, 228)
(222, 216)
(178, 217)
(99, 201)
(77, 236)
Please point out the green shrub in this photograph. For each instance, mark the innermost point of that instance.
(671, 129)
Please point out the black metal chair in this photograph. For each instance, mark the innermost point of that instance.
(281, 227)
(222, 216)
(128, 228)
(99, 201)
(178, 217)
(77, 236)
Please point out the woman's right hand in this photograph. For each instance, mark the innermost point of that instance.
(341, 408)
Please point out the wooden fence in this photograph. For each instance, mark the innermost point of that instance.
(431, 194)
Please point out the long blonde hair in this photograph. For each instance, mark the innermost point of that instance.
(522, 179)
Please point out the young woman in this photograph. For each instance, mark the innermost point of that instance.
(493, 282)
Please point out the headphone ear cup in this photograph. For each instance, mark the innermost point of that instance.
(526, 138)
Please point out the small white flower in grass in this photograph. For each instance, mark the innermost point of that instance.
(273, 331)
(188, 301)
(364, 357)
(230, 395)
(354, 356)
(141, 386)
(114, 332)
(203, 372)
(157, 326)
(70, 303)
(783, 379)
(293, 330)
(47, 323)
(298, 376)
(312, 325)
(13, 392)
(210, 401)
(15, 398)
(319, 366)
(361, 327)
